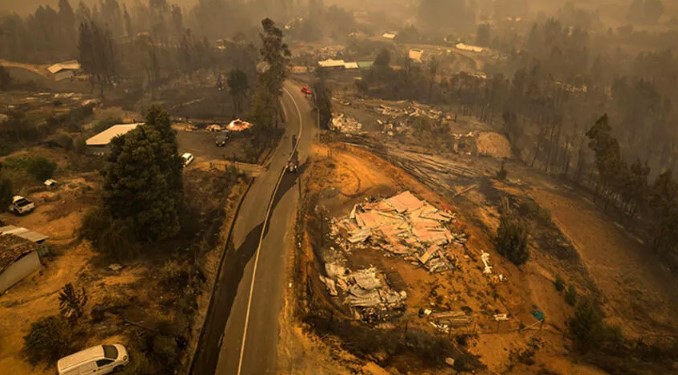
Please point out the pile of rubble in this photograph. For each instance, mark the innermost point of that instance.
(402, 225)
(370, 298)
(413, 110)
(345, 124)
(445, 321)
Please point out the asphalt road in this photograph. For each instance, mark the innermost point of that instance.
(241, 329)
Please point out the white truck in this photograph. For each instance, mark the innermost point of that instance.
(21, 205)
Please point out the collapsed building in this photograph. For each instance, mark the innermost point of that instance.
(365, 291)
(345, 124)
(402, 225)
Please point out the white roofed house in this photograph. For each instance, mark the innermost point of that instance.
(99, 144)
(332, 64)
(64, 70)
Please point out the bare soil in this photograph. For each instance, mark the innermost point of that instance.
(135, 295)
(343, 175)
(639, 295)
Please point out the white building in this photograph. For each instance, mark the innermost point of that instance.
(332, 64)
(99, 143)
(469, 48)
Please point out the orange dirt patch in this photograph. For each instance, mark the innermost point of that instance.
(342, 175)
(638, 294)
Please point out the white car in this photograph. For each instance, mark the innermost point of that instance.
(21, 205)
(102, 359)
(188, 158)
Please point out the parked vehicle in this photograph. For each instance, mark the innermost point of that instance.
(306, 90)
(188, 158)
(21, 205)
(102, 359)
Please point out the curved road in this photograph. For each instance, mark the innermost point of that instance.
(241, 328)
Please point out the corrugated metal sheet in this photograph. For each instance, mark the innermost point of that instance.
(23, 233)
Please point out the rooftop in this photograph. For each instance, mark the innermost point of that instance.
(416, 54)
(66, 65)
(469, 48)
(330, 63)
(12, 248)
(23, 233)
(105, 137)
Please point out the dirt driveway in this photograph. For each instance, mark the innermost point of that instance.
(202, 145)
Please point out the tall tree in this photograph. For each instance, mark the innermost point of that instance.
(607, 153)
(5, 193)
(323, 99)
(238, 87)
(143, 179)
(5, 79)
(97, 54)
(663, 202)
(483, 36)
(68, 24)
(512, 236)
(275, 57)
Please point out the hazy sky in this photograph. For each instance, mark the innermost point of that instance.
(28, 6)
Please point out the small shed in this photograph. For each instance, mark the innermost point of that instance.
(64, 70)
(18, 259)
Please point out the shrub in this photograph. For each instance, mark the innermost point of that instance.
(502, 173)
(172, 274)
(78, 115)
(511, 240)
(112, 237)
(534, 211)
(17, 128)
(590, 332)
(61, 140)
(571, 295)
(79, 145)
(38, 167)
(5, 194)
(139, 365)
(49, 339)
(559, 283)
(164, 346)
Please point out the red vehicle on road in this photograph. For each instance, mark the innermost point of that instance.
(306, 90)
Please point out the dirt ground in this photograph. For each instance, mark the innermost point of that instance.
(202, 145)
(343, 175)
(639, 295)
(58, 214)
(637, 292)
